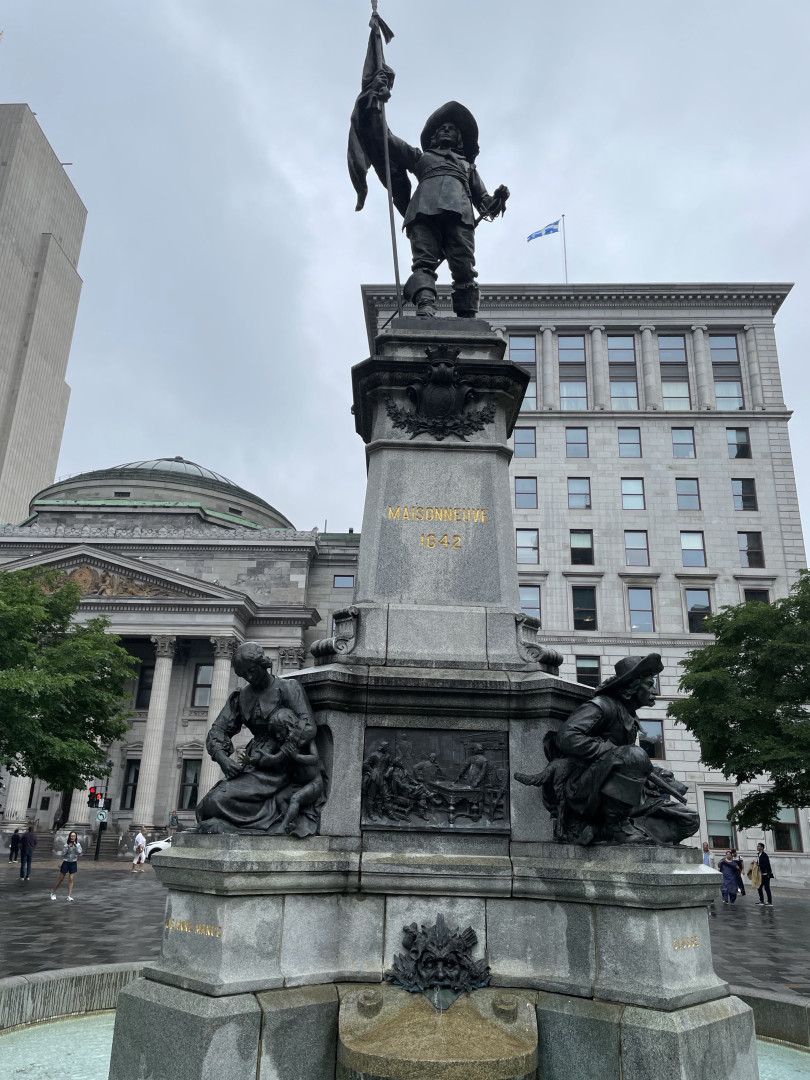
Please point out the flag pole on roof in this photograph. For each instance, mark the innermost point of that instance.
(554, 227)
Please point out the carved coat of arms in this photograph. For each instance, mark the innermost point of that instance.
(440, 399)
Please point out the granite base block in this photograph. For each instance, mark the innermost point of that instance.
(332, 938)
(578, 1039)
(715, 1040)
(542, 945)
(164, 1033)
(220, 944)
(656, 959)
(299, 1033)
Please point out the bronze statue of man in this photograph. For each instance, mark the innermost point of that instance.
(599, 784)
(440, 219)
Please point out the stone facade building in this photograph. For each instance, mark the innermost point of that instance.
(41, 229)
(185, 565)
(652, 483)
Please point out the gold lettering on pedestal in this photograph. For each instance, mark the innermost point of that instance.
(187, 927)
(685, 942)
(474, 514)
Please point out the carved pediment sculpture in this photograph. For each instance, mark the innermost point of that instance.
(95, 582)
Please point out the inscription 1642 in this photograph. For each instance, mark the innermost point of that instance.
(435, 780)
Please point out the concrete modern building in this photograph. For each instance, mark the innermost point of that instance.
(652, 483)
(41, 228)
(186, 565)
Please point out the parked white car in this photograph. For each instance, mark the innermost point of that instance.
(157, 845)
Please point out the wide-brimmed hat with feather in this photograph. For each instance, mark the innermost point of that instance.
(453, 113)
(630, 668)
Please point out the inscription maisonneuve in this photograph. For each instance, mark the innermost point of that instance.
(187, 927)
(477, 515)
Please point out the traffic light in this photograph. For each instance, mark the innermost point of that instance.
(92, 797)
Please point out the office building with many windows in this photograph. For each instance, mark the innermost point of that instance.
(652, 485)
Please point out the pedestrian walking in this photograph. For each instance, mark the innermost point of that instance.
(140, 848)
(707, 855)
(70, 861)
(27, 845)
(738, 862)
(14, 846)
(174, 821)
(728, 888)
(764, 867)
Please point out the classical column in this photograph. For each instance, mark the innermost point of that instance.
(17, 788)
(549, 381)
(144, 812)
(703, 369)
(650, 369)
(79, 810)
(599, 368)
(291, 659)
(210, 773)
(752, 364)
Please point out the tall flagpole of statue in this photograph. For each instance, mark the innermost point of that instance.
(440, 217)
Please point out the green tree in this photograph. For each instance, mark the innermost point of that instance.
(749, 692)
(61, 682)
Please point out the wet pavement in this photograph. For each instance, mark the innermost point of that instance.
(118, 916)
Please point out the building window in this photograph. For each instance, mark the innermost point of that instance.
(576, 442)
(571, 350)
(622, 373)
(528, 546)
(675, 394)
(146, 676)
(636, 550)
(683, 442)
(584, 602)
(130, 787)
(721, 831)
(201, 692)
(623, 394)
(582, 547)
(728, 393)
(529, 403)
(573, 394)
(724, 349)
(786, 833)
(630, 442)
(739, 442)
(751, 553)
(687, 491)
(745, 494)
(756, 596)
(651, 738)
(579, 493)
(235, 511)
(190, 783)
(632, 493)
(526, 492)
(641, 611)
(121, 494)
(698, 609)
(343, 581)
(672, 348)
(523, 351)
(530, 600)
(588, 672)
(525, 442)
(693, 550)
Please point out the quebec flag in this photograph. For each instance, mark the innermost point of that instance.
(552, 228)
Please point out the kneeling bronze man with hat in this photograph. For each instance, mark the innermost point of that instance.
(600, 785)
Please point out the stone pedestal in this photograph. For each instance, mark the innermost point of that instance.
(273, 946)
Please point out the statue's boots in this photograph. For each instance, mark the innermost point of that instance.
(622, 794)
(420, 290)
(465, 299)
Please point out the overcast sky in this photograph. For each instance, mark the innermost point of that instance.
(223, 260)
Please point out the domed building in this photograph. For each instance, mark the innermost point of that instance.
(185, 564)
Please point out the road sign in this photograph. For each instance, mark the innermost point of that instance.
(102, 815)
